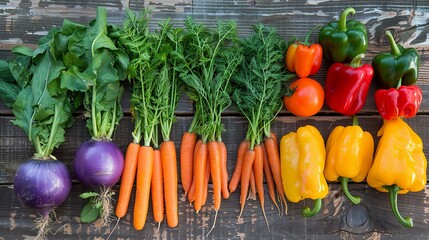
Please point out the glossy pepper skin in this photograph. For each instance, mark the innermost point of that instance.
(303, 156)
(399, 164)
(346, 86)
(349, 156)
(402, 102)
(304, 58)
(342, 40)
(398, 67)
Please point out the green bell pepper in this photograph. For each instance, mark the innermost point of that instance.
(398, 67)
(342, 40)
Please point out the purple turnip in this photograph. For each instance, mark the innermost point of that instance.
(98, 164)
(42, 185)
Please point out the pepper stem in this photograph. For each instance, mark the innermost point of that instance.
(342, 22)
(393, 196)
(344, 184)
(393, 46)
(306, 42)
(307, 212)
(356, 62)
(355, 121)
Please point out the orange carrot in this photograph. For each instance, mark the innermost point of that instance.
(248, 159)
(191, 192)
(236, 176)
(186, 159)
(271, 147)
(127, 179)
(199, 168)
(169, 168)
(216, 172)
(258, 170)
(144, 175)
(206, 181)
(252, 194)
(157, 188)
(225, 190)
(274, 136)
(269, 178)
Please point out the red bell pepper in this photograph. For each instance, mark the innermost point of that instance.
(401, 102)
(346, 86)
(304, 58)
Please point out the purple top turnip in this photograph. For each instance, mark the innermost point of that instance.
(98, 164)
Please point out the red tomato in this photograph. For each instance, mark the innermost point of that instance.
(307, 99)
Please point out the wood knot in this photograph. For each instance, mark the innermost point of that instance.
(357, 217)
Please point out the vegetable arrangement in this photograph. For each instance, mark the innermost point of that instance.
(305, 96)
(402, 98)
(31, 86)
(257, 92)
(212, 57)
(99, 66)
(402, 168)
(155, 95)
(84, 65)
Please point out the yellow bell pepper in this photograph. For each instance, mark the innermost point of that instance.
(303, 156)
(399, 164)
(349, 156)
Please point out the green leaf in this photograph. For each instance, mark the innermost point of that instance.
(89, 213)
(97, 35)
(23, 110)
(72, 60)
(70, 27)
(23, 50)
(8, 92)
(87, 195)
(74, 80)
(46, 70)
(19, 68)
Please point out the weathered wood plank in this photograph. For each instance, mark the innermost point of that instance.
(338, 219)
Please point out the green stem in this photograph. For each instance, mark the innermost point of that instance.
(307, 212)
(137, 133)
(306, 42)
(355, 120)
(112, 122)
(344, 184)
(399, 83)
(342, 22)
(393, 196)
(49, 148)
(393, 46)
(37, 146)
(356, 62)
(93, 112)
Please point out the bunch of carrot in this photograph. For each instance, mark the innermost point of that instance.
(258, 95)
(212, 57)
(155, 95)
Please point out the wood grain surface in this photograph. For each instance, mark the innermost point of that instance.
(24, 22)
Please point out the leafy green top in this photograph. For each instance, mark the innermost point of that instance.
(154, 76)
(95, 67)
(42, 86)
(210, 59)
(258, 83)
(30, 84)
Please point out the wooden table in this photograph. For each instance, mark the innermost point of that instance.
(24, 22)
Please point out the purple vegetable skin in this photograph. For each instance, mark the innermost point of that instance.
(98, 164)
(42, 184)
